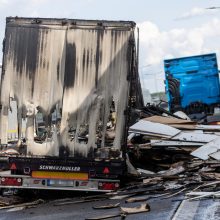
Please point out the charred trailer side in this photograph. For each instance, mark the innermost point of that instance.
(70, 80)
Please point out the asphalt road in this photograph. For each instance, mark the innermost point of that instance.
(161, 209)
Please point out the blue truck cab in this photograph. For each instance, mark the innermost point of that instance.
(192, 83)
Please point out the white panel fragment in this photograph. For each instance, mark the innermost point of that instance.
(153, 128)
(208, 127)
(195, 137)
(207, 149)
(182, 115)
(174, 143)
(216, 155)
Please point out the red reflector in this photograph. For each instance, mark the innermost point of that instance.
(108, 186)
(10, 181)
(106, 170)
(13, 166)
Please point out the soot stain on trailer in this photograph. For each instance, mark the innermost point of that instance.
(84, 59)
(100, 34)
(96, 66)
(87, 59)
(58, 71)
(70, 65)
(42, 47)
(116, 38)
(25, 42)
(26, 53)
(103, 112)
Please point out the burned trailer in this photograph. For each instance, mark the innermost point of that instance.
(71, 82)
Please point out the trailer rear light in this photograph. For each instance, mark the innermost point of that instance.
(10, 181)
(108, 186)
(106, 170)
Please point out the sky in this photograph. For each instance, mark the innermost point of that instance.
(168, 29)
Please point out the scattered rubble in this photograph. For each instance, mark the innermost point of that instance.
(168, 156)
(180, 156)
(17, 203)
(25, 205)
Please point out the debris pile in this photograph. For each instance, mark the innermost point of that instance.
(172, 157)
(176, 155)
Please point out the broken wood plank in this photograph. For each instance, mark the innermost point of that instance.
(188, 149)
(134, 210)
(154, 180)
(121, 196)
(151, 135)
(195, 164)
(174, 194)
(174, 143)
(108, 206)
(137, 199)
(27, 204)
(203, 195)
(16, 209)
(167, 120)
(147, 172)
(206, 184)
(174, 171)
(104, 217)
(78, 201)
(213, 176)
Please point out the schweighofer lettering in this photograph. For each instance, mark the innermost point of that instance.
(58, 168)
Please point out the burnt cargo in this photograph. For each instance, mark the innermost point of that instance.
(70, 80)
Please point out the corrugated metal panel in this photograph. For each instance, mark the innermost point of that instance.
(71, 66)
